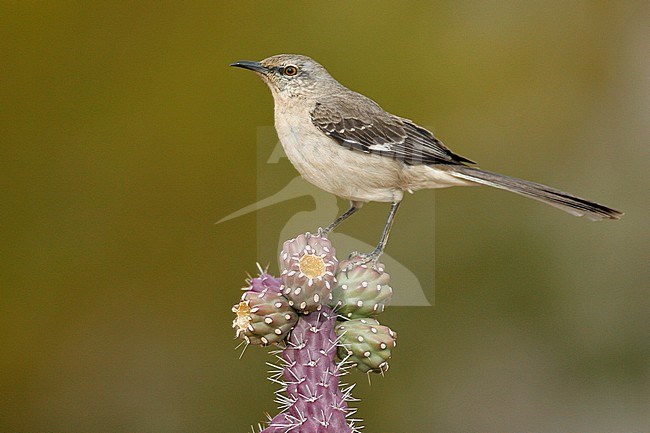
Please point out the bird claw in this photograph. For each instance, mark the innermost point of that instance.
(323, 232)
(358, 259)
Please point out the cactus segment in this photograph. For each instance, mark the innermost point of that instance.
(308, 264)
(263, 317)
(366, 343)
(314, 402)
(361, 291)
(265, 282)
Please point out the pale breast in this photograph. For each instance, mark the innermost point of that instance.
(321, 161)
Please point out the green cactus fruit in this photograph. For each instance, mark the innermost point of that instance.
(263, 317)
(308, 264)
(366, 343)
(361, 291)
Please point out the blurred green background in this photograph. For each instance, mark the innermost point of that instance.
(124, 136)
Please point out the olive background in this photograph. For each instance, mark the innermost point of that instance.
(124, 136)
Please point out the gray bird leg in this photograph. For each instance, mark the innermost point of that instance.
(373, 257)
(340, 219)
(389, 224)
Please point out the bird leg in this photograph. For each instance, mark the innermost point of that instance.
(339, 220)
(373, 256)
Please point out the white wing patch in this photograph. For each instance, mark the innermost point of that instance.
(381, 147)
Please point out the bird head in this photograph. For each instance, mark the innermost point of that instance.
(290, 75)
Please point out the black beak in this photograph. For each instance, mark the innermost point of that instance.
(253, 66)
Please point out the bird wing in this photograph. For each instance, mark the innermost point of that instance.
(361, 125)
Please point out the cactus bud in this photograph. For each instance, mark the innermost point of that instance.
(366, 343)
(308, 265)
(263, 317)
(361, 291)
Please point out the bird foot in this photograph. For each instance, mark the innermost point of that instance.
(358, 259)
(323, 232)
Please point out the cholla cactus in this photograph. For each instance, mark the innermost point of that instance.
(313, 403)
(366, 343)
(361, 291)
(296, 312)
(308, 265)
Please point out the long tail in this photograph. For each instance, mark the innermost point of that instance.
(569, 203)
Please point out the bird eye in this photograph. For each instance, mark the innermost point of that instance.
(290, 71)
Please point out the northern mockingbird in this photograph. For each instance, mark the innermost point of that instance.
(346, 144)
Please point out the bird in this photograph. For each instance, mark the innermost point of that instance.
(347, 145)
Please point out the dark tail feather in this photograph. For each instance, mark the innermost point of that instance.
(569, 203)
